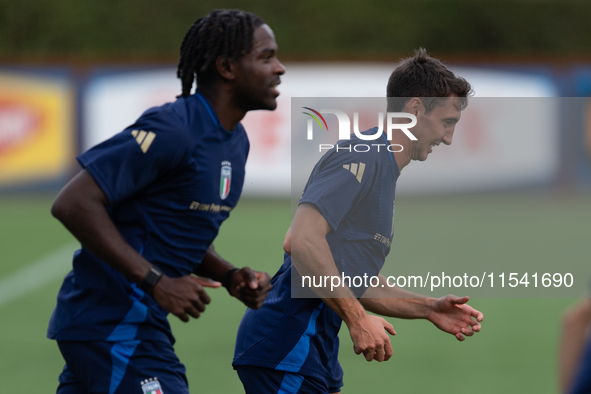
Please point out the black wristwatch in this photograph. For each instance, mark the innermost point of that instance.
(151, 279)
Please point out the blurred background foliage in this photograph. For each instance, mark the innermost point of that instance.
(73, 30)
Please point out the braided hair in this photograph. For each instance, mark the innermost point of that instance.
(226, 33)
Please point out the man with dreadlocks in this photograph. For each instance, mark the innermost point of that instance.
(146, 208)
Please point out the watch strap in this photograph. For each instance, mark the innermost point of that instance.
(151, 279)
(228, 279)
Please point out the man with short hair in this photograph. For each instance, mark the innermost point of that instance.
(344, 226)
(146, 208)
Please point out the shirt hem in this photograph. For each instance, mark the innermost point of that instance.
(253, 362)
(84, 337)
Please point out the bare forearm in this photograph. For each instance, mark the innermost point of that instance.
(403, 308)
(396, 302)
(312, 257)
(213, 266)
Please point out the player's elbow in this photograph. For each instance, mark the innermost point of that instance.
(301, 246)
(81, 197)
(60, 209)
(68, 206)
(287, 242)
(287, 246)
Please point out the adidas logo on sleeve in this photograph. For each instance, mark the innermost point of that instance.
(143, 138)
(356, 169)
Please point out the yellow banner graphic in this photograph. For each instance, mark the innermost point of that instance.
(36, 128)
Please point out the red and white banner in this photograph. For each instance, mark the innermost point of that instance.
(113, 101)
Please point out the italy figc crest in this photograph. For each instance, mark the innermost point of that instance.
(151, 386)
(225, 179)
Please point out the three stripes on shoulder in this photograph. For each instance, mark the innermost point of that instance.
(143, 138)
(356, 169)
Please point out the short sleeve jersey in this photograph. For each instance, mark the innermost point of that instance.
(171, 179)
(354, 191)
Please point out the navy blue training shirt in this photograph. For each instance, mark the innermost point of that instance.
(354, 192)
(171, 179)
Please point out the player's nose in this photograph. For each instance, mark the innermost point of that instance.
(448, 138)
(279, 68)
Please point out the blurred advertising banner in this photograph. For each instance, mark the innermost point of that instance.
(36, 128)
(113, 100)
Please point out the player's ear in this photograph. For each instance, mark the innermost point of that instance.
(225, 67)
(413, 105)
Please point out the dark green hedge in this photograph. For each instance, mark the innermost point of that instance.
(127, 29)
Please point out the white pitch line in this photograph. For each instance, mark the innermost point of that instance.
(36, 274)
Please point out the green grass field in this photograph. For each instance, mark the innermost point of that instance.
(514, 353)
